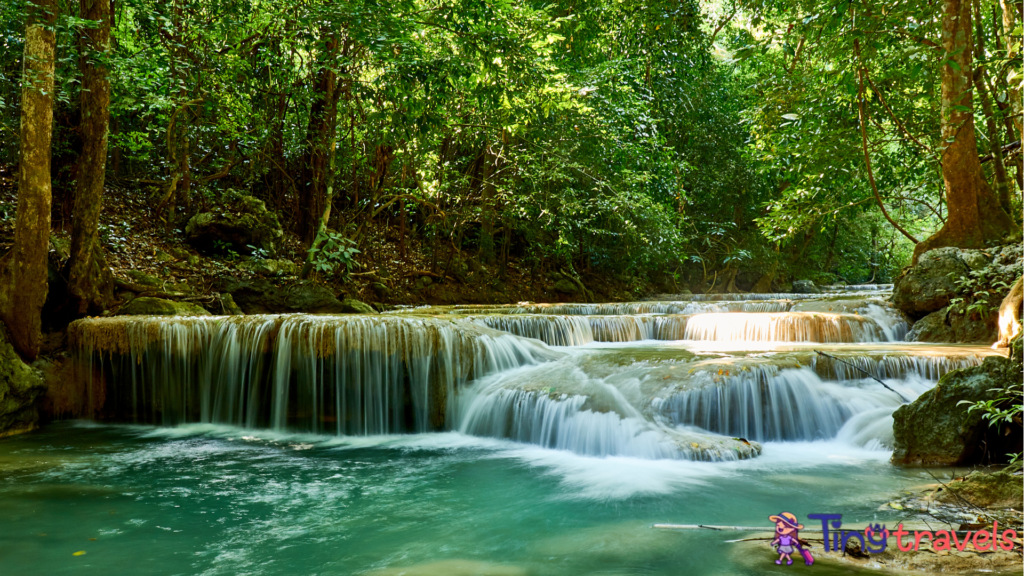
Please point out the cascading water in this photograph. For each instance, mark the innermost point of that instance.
(347, 375)
(701, 378)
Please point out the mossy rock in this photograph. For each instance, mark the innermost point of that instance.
(147, 306)
(937, 430)
(241, 222)
(20, 387)
(566, 286)
(143, 279)
(353, 306)
(1002, 489)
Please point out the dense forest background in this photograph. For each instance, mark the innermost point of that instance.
(726, 146)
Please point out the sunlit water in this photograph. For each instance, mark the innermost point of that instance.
(560, 451)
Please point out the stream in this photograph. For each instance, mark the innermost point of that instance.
(540, 439)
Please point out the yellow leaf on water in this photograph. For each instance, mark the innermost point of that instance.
(694, 444)
(895, 505)
(79, 553)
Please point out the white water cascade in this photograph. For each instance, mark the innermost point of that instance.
(701, 378)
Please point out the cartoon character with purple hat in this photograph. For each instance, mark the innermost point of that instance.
(787, 538)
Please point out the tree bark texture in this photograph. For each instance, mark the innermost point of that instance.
(90, 283)
(975, 214)
(24, 268)
(323, 119)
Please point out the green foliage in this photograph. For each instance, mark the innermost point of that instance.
(335, 254)
(981, 291)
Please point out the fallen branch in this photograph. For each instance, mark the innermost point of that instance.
(870, 375)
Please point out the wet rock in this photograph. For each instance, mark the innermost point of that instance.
(20, 387)
(946, 325)
(566, 286)
(937, 430)
(242, 222)
(805, 287)
(147, 306)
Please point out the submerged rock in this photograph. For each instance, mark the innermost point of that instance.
(20, 387)
(147, 306)
(452, 568)
(242, 222)
(937, 430)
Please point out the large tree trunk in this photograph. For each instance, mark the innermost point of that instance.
(975, 214)
(24, 268)
(90, 283)
(323, 120)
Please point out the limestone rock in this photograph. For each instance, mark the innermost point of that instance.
(147, 306)
(931, 284)
(242, 221)
(946, 325)
(20, 387)
(260, 296)
(936, 430)
(805, 287)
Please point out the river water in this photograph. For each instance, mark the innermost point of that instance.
(434, 441)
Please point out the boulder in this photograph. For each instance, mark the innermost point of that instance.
(566, 286)
(353, 306)
(262, 297)
(147, 306)
(805, 287)
(240, 223)
(20, 388)
(946, 325)
(937, 430)
(929, 286)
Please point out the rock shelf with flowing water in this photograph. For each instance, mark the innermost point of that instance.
(697, 379)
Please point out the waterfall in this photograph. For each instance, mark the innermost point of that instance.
(333, 374)
(552, 330)
(593, 419)
(769, 404)
(783, 327)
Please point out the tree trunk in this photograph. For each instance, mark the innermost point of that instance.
(90, 283)
(323, 118)
(975, 214)
(24, 268)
